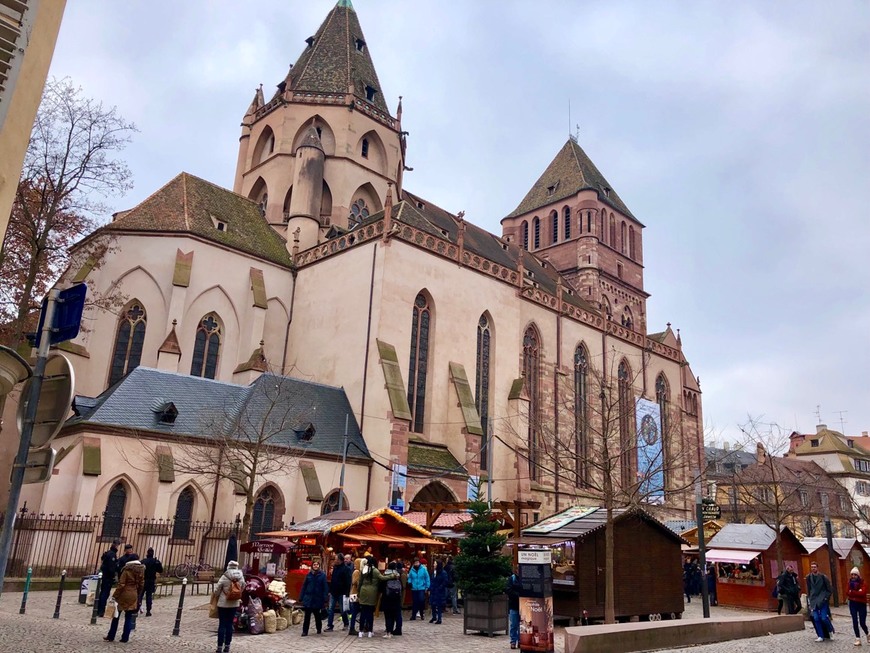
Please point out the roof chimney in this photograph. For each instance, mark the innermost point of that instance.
(760, 453)
(821, 427)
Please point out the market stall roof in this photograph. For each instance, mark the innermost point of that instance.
(268, 546)
(842, 545)
(538, 540)
(736, 556)
(749, 537)
(403, 539)
(454, 520)
(367, 526)
(578, 522)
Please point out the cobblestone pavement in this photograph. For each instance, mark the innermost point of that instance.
(38, 632)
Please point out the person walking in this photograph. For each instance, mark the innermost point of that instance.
(391, 601)
(153, 566)
(513, 593)
(127, 557)
(418, 583)
(819, 591)
(313, 596)
(402, 569)
(370, 579)
(788, 591)
(711, 584)
(127, 594)
(437, 593)
(452, 590)
(108, 567)
(339, 589)
(857, 594)
(228, 591)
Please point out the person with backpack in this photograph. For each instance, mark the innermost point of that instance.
(229, 597)
(153, 566)
(313, 597)
(370, 579)
(391, 602)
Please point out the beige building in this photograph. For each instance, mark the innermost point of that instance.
(321, 266)
(28, 33)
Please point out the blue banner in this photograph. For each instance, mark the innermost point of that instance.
(650, 451)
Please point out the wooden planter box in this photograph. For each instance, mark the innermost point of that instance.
(485, 615)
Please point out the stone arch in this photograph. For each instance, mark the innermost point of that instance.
(363, 203)
(213, 300)
(202, 503)
(435, 491)
(330, 503)
(135, 503)
(285, 211)
(259, 193)
(327, 136)
(371, 148)
(265, 146)
(139, 269)
(326, 201)
(262, 516)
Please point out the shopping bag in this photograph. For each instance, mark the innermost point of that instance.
(345, 603)
(213, 607)
(113, 608)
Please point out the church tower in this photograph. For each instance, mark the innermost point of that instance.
(323, 151)
(573, 219)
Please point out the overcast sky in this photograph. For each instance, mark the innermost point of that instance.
(737, 132)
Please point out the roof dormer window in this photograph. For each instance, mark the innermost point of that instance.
(814, 442)
(360, 45)
(220, 225)
(306, 434)
(606, 191)
(551, 190)
(371, 91)
(165, 410)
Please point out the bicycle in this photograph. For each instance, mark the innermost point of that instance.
(188, 570)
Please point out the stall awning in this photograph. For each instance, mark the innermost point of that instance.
(737, 556)
(290, 533)
(372, 537)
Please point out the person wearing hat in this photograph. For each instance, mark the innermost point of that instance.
(858, 604)
(127, 557)
(108, 567)
(226, 606)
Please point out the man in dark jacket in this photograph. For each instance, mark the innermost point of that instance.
(313, 596)
(451, 585)
(108, 567)
(513, 592)
(819, 591)
(153, 566)
(339, 587)
(127, 557)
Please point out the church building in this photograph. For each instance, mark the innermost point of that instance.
(450, 355)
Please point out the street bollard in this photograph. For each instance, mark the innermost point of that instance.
(177, 629)
(59, 594)
(26, 591)
(96, 600)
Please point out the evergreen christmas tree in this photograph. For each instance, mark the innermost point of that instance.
(481, 569)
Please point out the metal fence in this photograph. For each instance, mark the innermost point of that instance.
(52, 543)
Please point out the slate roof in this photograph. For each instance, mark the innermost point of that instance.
(433, 457)
(570, 172)
(188, 204)
(332, 62)
(277, 407)
(750, 537)
(584, 526)
(429, 218)
(681, 525)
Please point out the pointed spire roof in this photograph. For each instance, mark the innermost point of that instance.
(337, 60)
(569, 173)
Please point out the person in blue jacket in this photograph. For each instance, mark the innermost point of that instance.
(418, 583)
(313, 596)
(438, 593)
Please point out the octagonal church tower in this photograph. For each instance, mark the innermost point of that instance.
(324, 149)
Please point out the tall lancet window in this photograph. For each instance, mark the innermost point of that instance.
(421, 322)
(626, 413)
(128, 342)
(531, 374)
(581, 415)
(206, 349)
(481, 385)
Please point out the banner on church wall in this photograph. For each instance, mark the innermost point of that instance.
(398, 486)
(650, 455)
(473, 488)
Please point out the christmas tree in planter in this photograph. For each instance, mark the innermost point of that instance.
(482, 572)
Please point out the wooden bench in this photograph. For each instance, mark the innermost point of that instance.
(164, 587)
(206, 578)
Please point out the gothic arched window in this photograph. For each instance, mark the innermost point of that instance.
(113, 516)
(622, 238)
(567, 217)
(263, 517)
(581, 415)
(481, 385)
(330, 503)
(525, 235)
(128, 343)
(632, 248)
(206, 348)
(626, 413)
(663, 399)
(612, 231)
(554, 223)
(183, 515)
(531, 374)
(359, 211)
(421, 322)
(536, 229)
(365, 148)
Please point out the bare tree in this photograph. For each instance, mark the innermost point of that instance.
(587, 447)
(70, 163)
(261, 435)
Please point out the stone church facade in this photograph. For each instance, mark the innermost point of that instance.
(320, 265)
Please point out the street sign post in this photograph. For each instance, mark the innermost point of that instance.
(55, 399)
(39, 464)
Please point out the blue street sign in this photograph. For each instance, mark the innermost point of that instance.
(398, 508)
(67, 314)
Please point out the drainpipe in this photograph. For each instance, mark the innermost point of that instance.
(362, 409)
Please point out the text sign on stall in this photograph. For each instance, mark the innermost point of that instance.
(536, 600)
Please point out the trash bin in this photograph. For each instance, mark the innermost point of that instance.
(88, 590)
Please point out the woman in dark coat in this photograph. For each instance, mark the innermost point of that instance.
(313, 596)
(438, 593)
